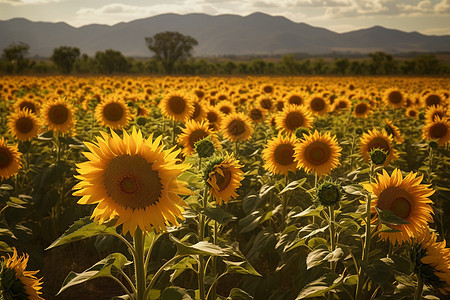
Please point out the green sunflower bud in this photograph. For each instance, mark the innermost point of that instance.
(204, 147)
(141, 121)
(329, 193)
(378, 156)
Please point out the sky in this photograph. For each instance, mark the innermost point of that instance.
(425, 16)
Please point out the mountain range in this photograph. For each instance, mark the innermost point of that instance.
(255, 34)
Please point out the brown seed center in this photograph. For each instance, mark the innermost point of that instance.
(177, 104)
(113, 112)
(58, 114)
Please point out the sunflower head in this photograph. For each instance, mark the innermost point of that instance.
(318, 153)
(438, 130)
(293, 117)
(431, 260)
(177, 107)
(59, 115)
(279, 155)
(318, 106)
(113, 113)
(393, 131)
(9, 160)
(394, 98)
(329, 193)
(132, 180)
(24, 125)
(378, 156)
(406, 198)
(194, 132)
(236, 127)
(15, 281)
(223, 176)
(374, 139)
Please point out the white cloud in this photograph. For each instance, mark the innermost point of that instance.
(27, 2)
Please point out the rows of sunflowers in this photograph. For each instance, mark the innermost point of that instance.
(227, 187)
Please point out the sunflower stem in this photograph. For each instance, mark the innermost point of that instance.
(174, 127)
(333, 242)
(139, 263)
(160, 270)
(366, 249)
(213, 288)
(419, 288)
(236, 149)
(201, 237)
(284, 204)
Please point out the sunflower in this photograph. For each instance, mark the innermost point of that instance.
(226, 107)
(279, 155)
(59, 115)
(16, 283)
(214, 117)
(318, 106)
(431, 99)
(434, 111)
(412, 112)
(257, 115)
(267, 89)
(293, 117)
(24, 125)
(177, 107)
(9, 160)
(406, 198)
(29, 104)
(113, 113)
(431, 260)
(132, 179)
(393, 131)
(377, 139)
(341, 104)
(224, 176)
(194, 132)
(318, 153)
(265, 103)
(199, 112)
(438, 130)
(361, 110)
(295, 98)
(236, 127)
(394, 97)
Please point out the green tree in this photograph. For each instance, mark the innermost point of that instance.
(64, 58)
(171, 47)
(16, 54)
(111, 61)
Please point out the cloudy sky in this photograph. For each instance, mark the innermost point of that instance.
(425, 16)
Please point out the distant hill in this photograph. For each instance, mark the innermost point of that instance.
(257, 34)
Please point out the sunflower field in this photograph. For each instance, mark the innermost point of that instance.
(224, 188)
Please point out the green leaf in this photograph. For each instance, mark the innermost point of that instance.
(388, 217)
(175, 293)
(219, 215)
(293, 185)
(4, 247)
(7, 232)
(321, 286)
(309, 212)
(314, 242)
(46, 136)
(381, 272)
(386, 228)
(181, 266)
(242, 267)
(238, 294)
(6, 187)
(354, 189)
(351, 280)
(104, 268)
(317, 256)
(200, 248)
(82, 229)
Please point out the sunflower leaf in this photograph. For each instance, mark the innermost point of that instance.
(241, 267)
(219, 215)
(238, 294)
(82, 229)
(388, 217)
(321, 286)
(104, 268)
(293, 185)
(200, 248)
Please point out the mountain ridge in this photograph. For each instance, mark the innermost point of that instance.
(227, 34)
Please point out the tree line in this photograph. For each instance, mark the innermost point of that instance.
(172, 54)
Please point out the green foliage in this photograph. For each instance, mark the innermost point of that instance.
(65, 57)
(15, 55)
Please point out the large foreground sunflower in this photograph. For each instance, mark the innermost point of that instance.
(318, 153)
(59, 115)
(293, 117)
(24, 125)
(406, 198)
(236, 127)
(194, 132)
(133, 179)
(431, 261)
(377, 139)
(9, 160)
(15, 282)
(224, 176)
(112, 113)
(279, 155)
(438, 130)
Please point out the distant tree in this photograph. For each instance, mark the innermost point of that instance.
(341, 65)
(383, 64)
(171, 47)
(111, 61)
(427, 64)
(64, 58)
(15, 55)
